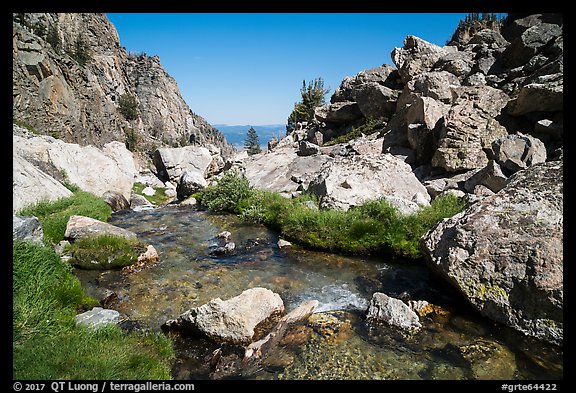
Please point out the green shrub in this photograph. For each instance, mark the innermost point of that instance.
(312, 94)
(128, 106)
(225, 196)
(132, 139)
(53, 38)
(369, 127)
(54, 215)
(80, 51)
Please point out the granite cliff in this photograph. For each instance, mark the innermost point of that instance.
(73, 80)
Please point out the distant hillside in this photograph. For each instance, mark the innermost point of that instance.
(236, 134)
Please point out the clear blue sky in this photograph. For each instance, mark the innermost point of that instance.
(237, 68)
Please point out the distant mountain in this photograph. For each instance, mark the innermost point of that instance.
(236, 134)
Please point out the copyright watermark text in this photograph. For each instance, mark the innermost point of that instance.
(100, 387)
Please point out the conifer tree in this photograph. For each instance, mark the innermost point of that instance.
(312, 94)
(252, 143)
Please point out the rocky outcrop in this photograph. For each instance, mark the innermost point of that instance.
(70, 73)
(480, 118)
(505, 252)
(231, 321)
(30, 185)
(92, 169)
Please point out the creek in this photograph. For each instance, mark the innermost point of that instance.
(454, 343)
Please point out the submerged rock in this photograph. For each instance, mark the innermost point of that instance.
(334, 326)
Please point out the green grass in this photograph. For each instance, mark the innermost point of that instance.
(54, 215)
(109, 251)
(372, 228)
(157, 199)
(47, 344)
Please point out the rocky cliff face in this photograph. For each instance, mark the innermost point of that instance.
(69, 74)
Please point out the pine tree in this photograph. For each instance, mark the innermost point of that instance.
(312, 96)
(252, 143)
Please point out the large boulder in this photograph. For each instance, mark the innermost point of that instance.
(282, 170)
(434, 84)
(518, 151)
(386, 75)
(116, 201)
(375, 101)
(231, 321)
(458, 63)
(469, 128)
(530, 42)
(92, 169)
(545, 96)
(171, 163)
(338, 113)
(352, 180)
(80, 226)
(190, 183)
(505, 252)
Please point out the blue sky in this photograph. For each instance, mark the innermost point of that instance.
(241, 68)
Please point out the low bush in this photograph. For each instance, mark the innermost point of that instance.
(227, 194)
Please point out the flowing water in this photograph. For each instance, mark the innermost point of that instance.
(338, 343)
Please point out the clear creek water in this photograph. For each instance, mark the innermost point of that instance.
(454, 343)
